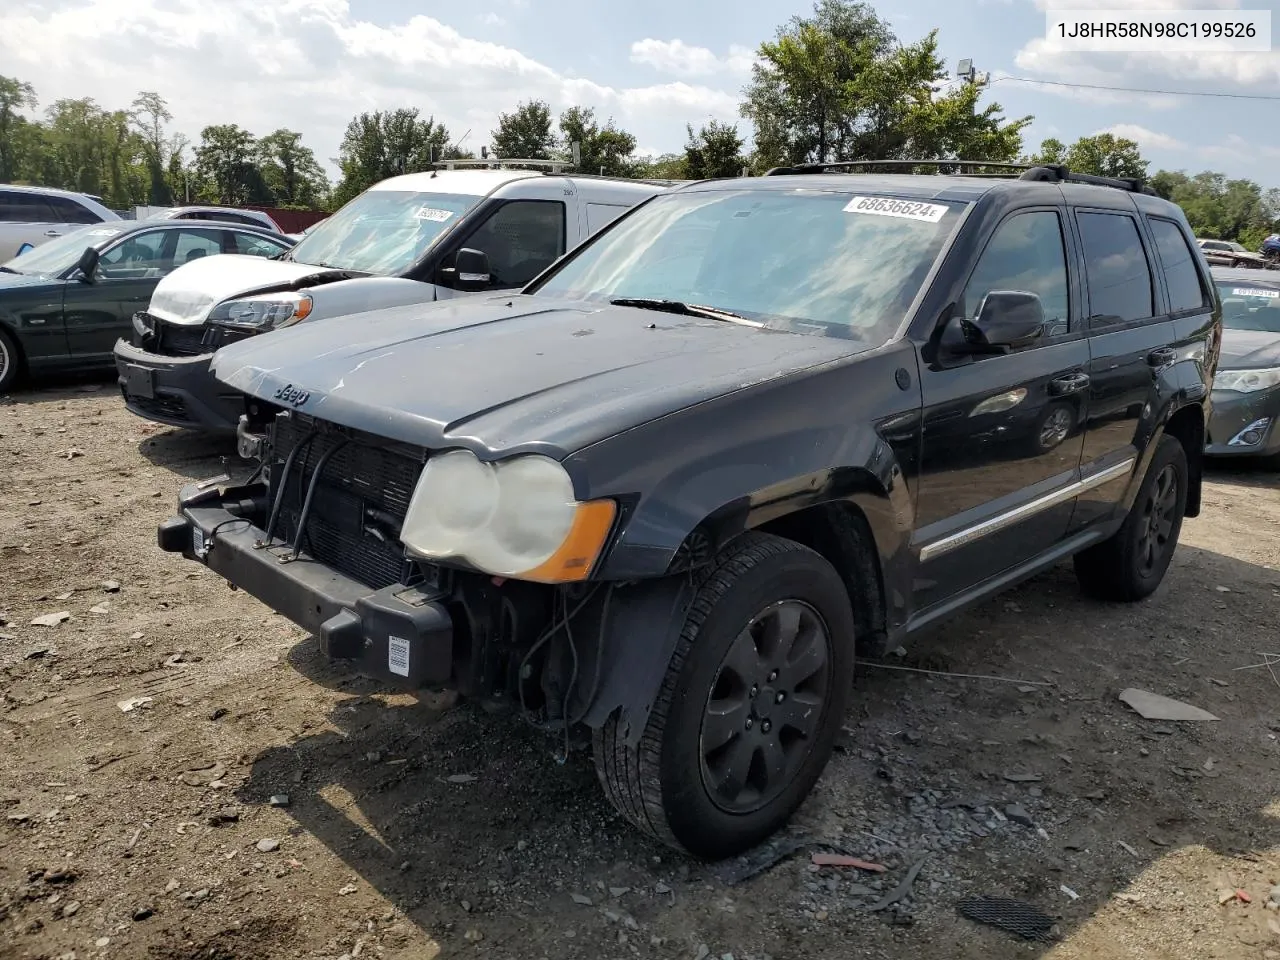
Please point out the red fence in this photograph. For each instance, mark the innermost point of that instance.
(292, 221)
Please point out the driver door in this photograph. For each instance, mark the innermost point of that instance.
(1002, 434)
(521, 239)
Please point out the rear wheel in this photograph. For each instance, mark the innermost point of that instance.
(1131, 564)
(10, 361)
(749, 707)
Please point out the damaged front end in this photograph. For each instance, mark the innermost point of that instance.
(314, 533)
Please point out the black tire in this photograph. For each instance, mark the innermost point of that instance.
(660, 785)
(10, 361)
(1122, 568)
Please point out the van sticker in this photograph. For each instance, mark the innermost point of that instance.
(431, 213)
(903, 209)
(1255, 292)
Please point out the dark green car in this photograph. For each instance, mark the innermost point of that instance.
(64, 304)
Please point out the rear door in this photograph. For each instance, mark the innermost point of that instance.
(1132, 357)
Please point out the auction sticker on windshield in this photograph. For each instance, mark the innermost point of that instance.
(903, 209)
(1247, 292)
(431, 213)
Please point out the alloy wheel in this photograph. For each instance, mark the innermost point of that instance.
(1158, 519)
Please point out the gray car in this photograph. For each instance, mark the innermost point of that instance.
(1246, 388)
(252, 218)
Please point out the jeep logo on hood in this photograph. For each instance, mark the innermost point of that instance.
(292, 395)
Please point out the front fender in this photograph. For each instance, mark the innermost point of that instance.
(345, 297)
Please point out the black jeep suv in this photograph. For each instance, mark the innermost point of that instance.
(667, 489)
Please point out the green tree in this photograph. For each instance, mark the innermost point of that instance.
(15, 96)
(291, 170)
(839, 86)
(714, 151)
(605, 150)
(226, 162)
(1221, 208)
(668, 166)
(1106, 155)
(525, 133)
(149, 115)
(380, 145)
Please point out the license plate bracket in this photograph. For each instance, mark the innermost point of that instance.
(140, 382)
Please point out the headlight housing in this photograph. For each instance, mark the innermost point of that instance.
(1247, 381)
(268, 312)
(514, 518)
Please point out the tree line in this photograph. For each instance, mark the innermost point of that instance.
(836, 85)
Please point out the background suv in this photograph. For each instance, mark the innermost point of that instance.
(36, 215)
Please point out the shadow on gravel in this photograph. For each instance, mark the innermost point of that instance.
(463, 818)
(197, 456)
(1246, 472)
(61, 387)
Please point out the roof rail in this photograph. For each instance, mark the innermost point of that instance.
(1043, 173)
(494, 163)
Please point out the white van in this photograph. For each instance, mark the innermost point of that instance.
(466, 229)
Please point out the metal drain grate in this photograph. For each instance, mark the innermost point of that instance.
(1013, 916)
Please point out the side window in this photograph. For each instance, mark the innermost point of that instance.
(255, 246)
(17, 207)
(138, 257)
(1186, 291)
(1116, 268)
(194, 244)
(1026, 253)
(67, 210)
(521, 239)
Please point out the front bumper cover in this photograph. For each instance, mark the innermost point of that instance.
(176, 391)
(1233, 415)
(398, 634)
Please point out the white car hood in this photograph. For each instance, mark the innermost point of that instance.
(188, 294)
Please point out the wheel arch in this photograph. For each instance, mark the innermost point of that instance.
(1186, 425)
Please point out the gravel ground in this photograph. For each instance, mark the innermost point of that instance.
(184, 776)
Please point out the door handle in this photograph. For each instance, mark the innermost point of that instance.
(1162, 357)
(52, 233)
(1072, 383)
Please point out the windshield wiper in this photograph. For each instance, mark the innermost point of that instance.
(685, 309)
(9, 270)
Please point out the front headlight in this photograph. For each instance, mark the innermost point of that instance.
(514, 518)
(1247, 381)
(268, 312)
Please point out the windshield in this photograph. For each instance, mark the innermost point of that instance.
(1250, 305)
(799, 260)
(57, 256)
(382, 231)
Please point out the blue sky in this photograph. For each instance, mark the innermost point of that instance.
(311, 64)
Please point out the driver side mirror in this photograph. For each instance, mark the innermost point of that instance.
(1007, 320)
(470, 270)
(88, 265)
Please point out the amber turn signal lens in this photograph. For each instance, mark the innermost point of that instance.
(577, 555)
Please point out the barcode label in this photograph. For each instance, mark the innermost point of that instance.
(398, 656)
(197, 541)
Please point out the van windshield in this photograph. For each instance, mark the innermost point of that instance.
(382, 232)
(807, 261)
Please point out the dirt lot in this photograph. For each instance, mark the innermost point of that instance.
(415, 828)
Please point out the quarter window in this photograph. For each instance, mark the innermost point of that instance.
(1026, 254)
(1186, 291)
(1116, 268)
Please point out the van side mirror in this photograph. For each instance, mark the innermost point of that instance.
(1007, 320)
(88, 265)
(472, 268)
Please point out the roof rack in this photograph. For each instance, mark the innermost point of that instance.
(494, 163)
(1041, 173)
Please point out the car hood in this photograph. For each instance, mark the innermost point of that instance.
(24, 281)
(1249, 350)
(187, 294)
(511, 373)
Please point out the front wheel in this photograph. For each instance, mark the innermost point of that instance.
(10, 361)
(1130, 564)
(749, 708)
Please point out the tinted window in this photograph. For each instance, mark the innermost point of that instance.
(1115, 267)
(25, 208)
(1026, 253)
(194, 244)
(255, 246)
(67, 210)
(1181, 275)
(522, 238)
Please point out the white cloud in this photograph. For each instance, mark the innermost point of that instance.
(682, 59)
(1144, 138)
(311, 65)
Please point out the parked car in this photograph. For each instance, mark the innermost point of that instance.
(1271, 251)
(253, 218)
(410, 239)
(31, 216)
(1228, 253)
(1246, 388)
(666, 489)
(64, 304)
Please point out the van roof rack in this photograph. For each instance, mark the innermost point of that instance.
(1041, 173)
(496, 163)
